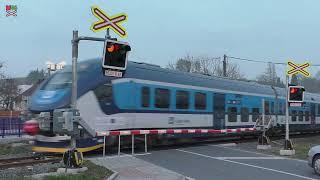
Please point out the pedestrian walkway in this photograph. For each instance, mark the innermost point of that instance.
(130, 167)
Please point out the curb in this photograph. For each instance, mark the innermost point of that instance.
(113, 176)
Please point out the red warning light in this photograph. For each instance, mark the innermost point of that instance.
(293, 90)
(31, 127)
(113, 48)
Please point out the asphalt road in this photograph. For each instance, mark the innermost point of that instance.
(229, 163)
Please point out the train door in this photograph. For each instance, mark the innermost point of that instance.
(313, 113)
(219, 111)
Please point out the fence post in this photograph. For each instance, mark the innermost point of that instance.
(119, 145)
(19, 126)
(145, 143)
(104, 146)
(3, 129)
(132, 144)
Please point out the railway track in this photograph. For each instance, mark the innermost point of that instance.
(25, 161)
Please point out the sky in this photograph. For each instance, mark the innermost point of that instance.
(160, 32)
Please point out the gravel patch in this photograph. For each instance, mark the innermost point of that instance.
(21, 172)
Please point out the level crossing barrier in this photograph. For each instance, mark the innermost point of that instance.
(132, 133)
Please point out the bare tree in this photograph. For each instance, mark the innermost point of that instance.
(205, 65)
(9, 93)
(270, 77)
(311, 84)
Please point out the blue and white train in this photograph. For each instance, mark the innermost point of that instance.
(150, 97)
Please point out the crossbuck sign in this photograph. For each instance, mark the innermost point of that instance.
(106, 22)
(298, 68)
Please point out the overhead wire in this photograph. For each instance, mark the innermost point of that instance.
(261, 61)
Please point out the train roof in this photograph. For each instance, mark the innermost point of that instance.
(145, 71)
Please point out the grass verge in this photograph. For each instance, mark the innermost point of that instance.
(10, 149)
(94, 172)
(300, 145)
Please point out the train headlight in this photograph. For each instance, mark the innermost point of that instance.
(31, 127)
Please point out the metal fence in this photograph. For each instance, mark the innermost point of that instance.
(10, 124)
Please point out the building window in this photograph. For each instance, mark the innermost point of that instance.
(104, 93)
(300, 115)
(293, 115)
(307, 115)
(145, 97)
(182, 100)
(255, 114)
(244, 114)
(232, 114)
(200, 101)
(266, 108)
(162, 98)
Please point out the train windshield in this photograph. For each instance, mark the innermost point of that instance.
(59, 81)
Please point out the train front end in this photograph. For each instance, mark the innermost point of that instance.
(54, 94)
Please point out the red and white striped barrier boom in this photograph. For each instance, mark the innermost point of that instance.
(175, 131)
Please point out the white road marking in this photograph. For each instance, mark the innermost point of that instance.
(241, 150)
(124, 155)
(141, 154)
(228, 144)
(244, 164)
(223, 158)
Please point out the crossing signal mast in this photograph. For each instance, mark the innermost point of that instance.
(114, 63)
(295, 97)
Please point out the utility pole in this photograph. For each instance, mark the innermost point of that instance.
(224, 65)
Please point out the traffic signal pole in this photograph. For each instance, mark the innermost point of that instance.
(287, 109)
(288, 147)
(74, 91)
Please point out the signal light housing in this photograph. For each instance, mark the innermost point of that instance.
(115, 55)
(296, 94)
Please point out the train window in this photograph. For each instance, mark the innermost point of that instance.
(200, 101)
(238, 96)
(319, 109)
(244, 114)
(272, 107)
(300, 115)
(182, 100)
(293, 115)
(280, 108)
(145, 97)
(61, 80)
(255, 114)
(104, 93)
(307, 115)
(162, 98)
(266, 108)
(232, 114)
